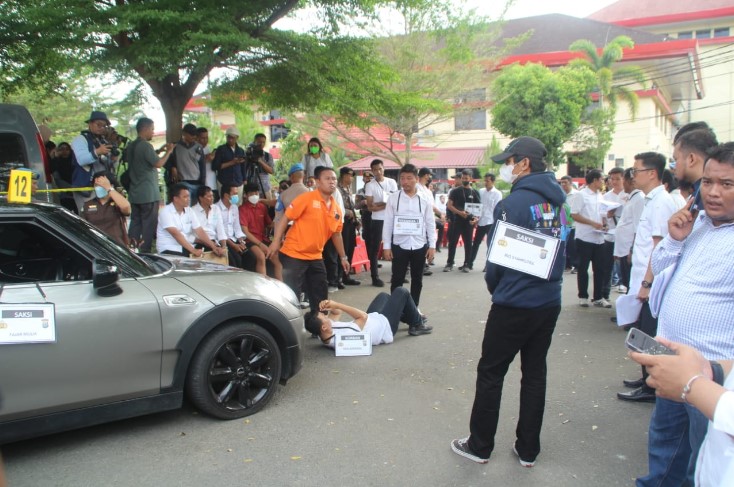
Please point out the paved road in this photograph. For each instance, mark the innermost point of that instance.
(384, 420)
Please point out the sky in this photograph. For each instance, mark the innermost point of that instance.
(490, 8)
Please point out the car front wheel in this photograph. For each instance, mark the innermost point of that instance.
(235, 371)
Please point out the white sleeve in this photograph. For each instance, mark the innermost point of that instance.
(368, 191)
(387, 226)
(219, 224)
(165, 219)
(195, 223)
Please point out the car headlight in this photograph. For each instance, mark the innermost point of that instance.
(287, 292)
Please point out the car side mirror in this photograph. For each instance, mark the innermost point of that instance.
(104, 278)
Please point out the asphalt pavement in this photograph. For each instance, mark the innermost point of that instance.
(383, 420)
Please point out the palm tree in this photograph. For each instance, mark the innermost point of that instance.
(603, 65)
(595, 135)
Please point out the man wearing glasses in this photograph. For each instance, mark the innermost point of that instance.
(647, 173)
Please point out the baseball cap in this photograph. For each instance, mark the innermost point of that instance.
(232, 131)
(423, 171)
(522, 146)
(295, 168)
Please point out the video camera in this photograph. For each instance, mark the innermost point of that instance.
(253, 153)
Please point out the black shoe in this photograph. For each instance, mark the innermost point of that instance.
(438, 249)
(427, 272)
(465, 268)
(340, 285)
(641, 394)
(377, 282)
(448, 268)
(634, 384)
(351, 282)
(420, 330)
(379, 266)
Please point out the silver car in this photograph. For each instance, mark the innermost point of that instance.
(91, 332)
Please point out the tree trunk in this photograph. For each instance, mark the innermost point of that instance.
(408, 148)
(173, 110)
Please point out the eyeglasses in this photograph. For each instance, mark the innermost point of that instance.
(634, 171)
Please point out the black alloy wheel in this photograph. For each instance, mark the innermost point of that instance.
(235, 371)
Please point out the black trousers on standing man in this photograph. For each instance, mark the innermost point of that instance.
(401, 259)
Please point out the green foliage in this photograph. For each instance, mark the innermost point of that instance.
(487, 164)
(535, 101)
(171, 45)
(596, 133)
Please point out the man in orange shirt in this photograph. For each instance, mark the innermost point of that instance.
(316, 218)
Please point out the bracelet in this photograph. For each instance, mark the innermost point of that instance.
(687, 388)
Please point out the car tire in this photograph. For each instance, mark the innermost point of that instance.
(235, 371)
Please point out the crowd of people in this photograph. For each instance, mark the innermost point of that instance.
(649, 235)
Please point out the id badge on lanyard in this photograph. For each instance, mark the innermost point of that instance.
(408, 224)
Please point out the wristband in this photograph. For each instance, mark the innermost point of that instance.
(687, 388)
(718, 371)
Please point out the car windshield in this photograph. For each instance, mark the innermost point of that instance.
(132, 265)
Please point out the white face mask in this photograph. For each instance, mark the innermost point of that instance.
(506, 173)
(253, 199)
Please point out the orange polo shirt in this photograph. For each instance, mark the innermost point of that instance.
(313, 225)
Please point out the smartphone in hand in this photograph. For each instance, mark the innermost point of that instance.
(639, 341)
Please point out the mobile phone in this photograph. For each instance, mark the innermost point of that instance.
(639, 341)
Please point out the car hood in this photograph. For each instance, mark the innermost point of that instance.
(220, 283)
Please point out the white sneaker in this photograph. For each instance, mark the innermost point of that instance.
(524, 463)
(602, 303)
(333, 289)
(622, 289)
(584, 302)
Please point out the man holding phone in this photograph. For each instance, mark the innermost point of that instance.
(647, 173)
(228, 162)
(697, 310)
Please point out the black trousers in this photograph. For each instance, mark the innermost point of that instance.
(307, 276)
(331, 262)
(509, 331)
(607, 268)
(401, 259)
(571, 254)
(439, 238)
(482, 231)
(374, 247)
(649, 325)
(366, 229)
(349, 237)
(460, 228)
(143, 224)
(396, 307)
(625, 269)
(589, 252)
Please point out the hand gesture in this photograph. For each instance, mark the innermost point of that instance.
(387, 254)
(681, 223)
(197, 253)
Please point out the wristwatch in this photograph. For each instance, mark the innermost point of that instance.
(646, 285)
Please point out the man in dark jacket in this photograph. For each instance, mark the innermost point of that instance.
(524, 309)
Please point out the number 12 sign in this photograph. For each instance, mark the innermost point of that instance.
(19, 189)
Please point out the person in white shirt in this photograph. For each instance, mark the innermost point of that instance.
(489, 197)
(178, 227)
(587, 212)
(236, 245)
(408, 235)
(210, 217)
(377, 192)
(626, 228)
(615, 195)
(652, 228)
(210, 179)
(709, 387)
(381, 319)
(571, 192)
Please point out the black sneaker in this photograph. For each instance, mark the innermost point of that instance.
(465, 269)
(421, 329)
(461, 447)
(448, 268)
(427, 272)
(377, 282)
(351, 282)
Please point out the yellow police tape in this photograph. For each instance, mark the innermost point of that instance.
(64, 190)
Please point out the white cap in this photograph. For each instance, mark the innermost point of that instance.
(232, 131)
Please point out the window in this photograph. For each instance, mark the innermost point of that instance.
(685, 35)
(471, 113)
(29, 253)
(619, 162)
(703, 34)
(278, 132)
(721, 32)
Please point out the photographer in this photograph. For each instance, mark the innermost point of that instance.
(228, 162)
(259, 165)
(92, 153)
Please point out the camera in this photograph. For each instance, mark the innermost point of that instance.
(253, 153)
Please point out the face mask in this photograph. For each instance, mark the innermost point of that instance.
(506, 173)
(314, 150)
(672, 165)
(253, 199)
(234, 199)
(100, 192)
(465, 183)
